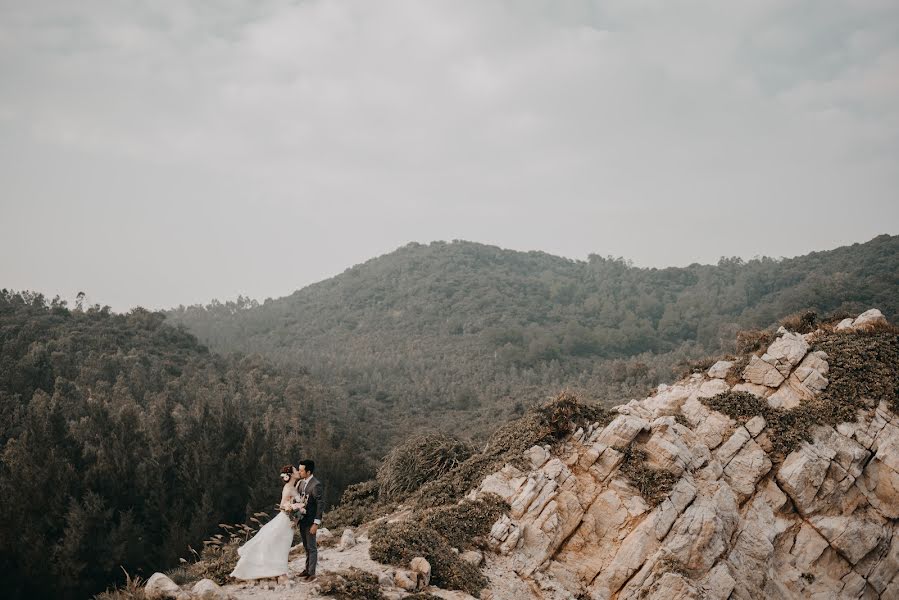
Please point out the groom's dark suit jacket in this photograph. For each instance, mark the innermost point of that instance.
(314, 504)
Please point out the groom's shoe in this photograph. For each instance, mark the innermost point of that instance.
(303, 574)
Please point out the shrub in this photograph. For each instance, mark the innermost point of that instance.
(359, 503)
(787, 427)
(466, 524)
(352, 584)
(419, 459)
(543, 425)
(670, 564)
(399, 543)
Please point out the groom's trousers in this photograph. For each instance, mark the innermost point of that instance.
(310, 545)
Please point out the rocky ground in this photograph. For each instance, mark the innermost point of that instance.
(737, 517)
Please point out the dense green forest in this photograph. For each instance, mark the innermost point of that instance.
(458, 335)
(124, 440)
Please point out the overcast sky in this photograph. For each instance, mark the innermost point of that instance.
(156, 153)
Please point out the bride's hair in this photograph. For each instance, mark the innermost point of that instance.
(286, 470)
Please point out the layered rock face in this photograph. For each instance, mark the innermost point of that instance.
(738, 523)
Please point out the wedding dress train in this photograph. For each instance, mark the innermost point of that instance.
(265, 555)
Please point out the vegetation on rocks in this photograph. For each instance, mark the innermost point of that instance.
(654, 484)
(400, 542)
(863, 367)
(437, 534)
(546, 424)
(786, 427)
(351, 584)
(863, 371)
(466, 524)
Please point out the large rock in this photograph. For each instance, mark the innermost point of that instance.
(704, 531)
(207, 589)
(869, 319)
(720, 369)
(347, 540)
(880, 479)
(762, 372)
(787, 351)
(422, 569)
(160, 587)
(746, 468)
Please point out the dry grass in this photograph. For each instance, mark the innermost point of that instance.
(753, 340)
(219, 555)
(133, 589)
(681, 420)
(700, 365)
(419, 459)
(804, 321)
(735, 373)
(434, 533)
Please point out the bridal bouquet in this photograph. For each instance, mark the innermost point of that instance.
(296, 513)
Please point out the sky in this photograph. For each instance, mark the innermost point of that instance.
(158, 153)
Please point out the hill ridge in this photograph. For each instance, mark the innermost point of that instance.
(452, 328)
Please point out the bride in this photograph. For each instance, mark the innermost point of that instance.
(265, 555)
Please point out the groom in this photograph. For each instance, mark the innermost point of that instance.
(310, 521)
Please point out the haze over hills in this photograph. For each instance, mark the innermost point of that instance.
(446, 331)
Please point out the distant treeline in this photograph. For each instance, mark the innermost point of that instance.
(439, 334)
(124, 440)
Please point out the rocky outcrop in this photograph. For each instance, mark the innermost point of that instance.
(739, 523)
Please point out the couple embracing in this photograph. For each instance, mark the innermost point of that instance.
(265, 555)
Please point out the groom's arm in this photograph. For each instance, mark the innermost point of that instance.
(318, 493)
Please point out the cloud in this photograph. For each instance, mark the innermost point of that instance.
(573, 127)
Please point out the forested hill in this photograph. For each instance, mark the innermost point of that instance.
(124, 440)
(445, 330)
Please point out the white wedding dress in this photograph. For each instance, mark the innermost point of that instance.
(265, 555)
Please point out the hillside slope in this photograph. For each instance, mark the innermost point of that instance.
(462, 335)
(775, 475)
